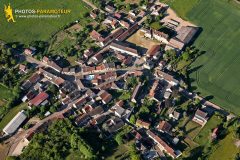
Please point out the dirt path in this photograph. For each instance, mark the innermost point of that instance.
(171, 15)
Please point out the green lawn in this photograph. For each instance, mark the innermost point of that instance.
(5, 93)
(182, 7)
(192, 129)
(26, 30)
(219, 66)
(11, 113)
(225, 149)
(204, 135)
(122, 152)
(156, 25)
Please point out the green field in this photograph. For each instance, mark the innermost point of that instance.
(204, 135)
(182, 7)
(218, 74)
(26, 30)
(225, 149)
(5, 93)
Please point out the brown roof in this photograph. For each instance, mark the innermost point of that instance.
(45, 59)
(161, 34)
(185, 34)
(153, 50)
(164, 126)
(122, 46)
(117, 15)
(124, 24)
(58, 81)
(142, 124)
(159, 141)
(201, 114)
(113, 35)
(105, 96)
(54, 66)
(95, 35)
(22, 67)
(34, 78)
(176, 43)
(39, 99)
(128, 32)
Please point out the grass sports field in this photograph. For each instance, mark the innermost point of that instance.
(218, 74)
(26, 30)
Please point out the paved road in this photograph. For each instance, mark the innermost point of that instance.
(92, 5)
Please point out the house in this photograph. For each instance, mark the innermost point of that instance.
(93, 14)
(96, 36)
(119, 111)
(58, 81)
(160, 36)
(88, 53)
(123, 48)
(30, 51)
(164, 127)
(114, 24)
(200, 117)
(29, 96)
(154, 52)
(23, 68)
(114, 124)
(32, 80)
(148, 64)
(124, 24)
(114, 34)
(141, 14)
(15, 123)
(105, 96)
(186, 33)
(54, 66)
(128, 32)
(214, 134)
(167, 94)
(163, 146)
(39, 99)
(82, 119)
(110, 9)
(117, 15)
(175, 115)
(45, 60)
(131, 18)
(156, 90)
(142, 124)
(136, 92)
(167, 77)
(96, 111)
(79, 103)
(80, 85)
(174, 44)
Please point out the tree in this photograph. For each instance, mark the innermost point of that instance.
(119, 138)
(185, 56)
(133, 119)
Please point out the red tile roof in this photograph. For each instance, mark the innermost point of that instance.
(39, 99)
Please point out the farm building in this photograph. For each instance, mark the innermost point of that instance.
(13, 125)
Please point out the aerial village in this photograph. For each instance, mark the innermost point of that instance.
(108, 87)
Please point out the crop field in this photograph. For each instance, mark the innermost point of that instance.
(26, 30)
(217, 71)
